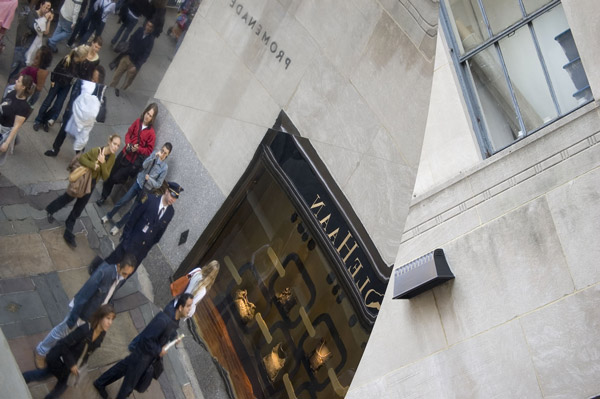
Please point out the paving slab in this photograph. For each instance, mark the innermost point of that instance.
(129, 302)
(26, 327)
(92, 210)
(43, 224)
(25, 226)
(36, 213)
(63, 256)
(16, 285)
(16, 212)
(11, 195)
(72, 280)
(2, 216)
(19, 306)
(137, 319)
(6, 228)
(41, 200)
(92, 237)
(22, 349)
(50, 290)
(23, 255)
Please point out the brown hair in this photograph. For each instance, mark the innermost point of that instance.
(29, 86)
(98, 40)
(150, 106)
(101, 313)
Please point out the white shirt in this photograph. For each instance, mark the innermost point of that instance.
(162, 206)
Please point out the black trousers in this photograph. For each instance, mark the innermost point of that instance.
(116, 256)
(79, 206)
(118, 175)
(132, 367)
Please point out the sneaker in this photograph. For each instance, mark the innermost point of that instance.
(51, 153)
(46, 128)
(104, 219)
(114, 231)
(39, 360)
(50, 122)
(100, 201)
(36, 126)
(101, 390)
(49, 217)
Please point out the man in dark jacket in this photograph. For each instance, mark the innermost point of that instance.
(147, 347)
(147, 224)
(138, 51)
(96, 291)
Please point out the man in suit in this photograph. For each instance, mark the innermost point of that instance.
(97, 290)
(148, 346)
(147, 225)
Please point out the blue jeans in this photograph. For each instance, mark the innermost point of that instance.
(126, 27)
(59, 332)
(133, 191)
(63, 30)
(58, 94)
(18, 61)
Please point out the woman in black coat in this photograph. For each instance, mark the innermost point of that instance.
(71, 352)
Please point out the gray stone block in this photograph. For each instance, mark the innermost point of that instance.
(16, 212)
(2, 216)
(94, 215)
(19, 306)
(54, 298)
(6, 228)
(10, 285)
(504, 269)
(11, 195)
(564, 345)
(129, 302)
(92, 237)
(27, 327)
(25, 226)
(36, 213)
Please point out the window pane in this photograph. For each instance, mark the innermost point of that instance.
(527, 77)
(494, 99)
(467, 23)
(501, 13)
(562, 59)
(534, 5)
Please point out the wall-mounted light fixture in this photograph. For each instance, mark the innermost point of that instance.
(421, 274)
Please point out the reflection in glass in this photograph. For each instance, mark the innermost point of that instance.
(527, 78)
(467, 23)
(502, 14)
(562, 59)
(301, 332)
(494, 98)
(534, 5)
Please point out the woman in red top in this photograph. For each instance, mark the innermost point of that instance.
(139, 143)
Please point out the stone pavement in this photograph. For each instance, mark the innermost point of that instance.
(39, 273)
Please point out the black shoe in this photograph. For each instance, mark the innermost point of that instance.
(49, 217)
(46, 127)
(100, 201)
(101, 390)
(51, 153)
(117, 92)
(70, 239)
(36, 126)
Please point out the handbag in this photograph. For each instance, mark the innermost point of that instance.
(77, 173)
(101, 117)
(179, 285)
(81, 186)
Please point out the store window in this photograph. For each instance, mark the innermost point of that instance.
(519, 65)
(291, 310)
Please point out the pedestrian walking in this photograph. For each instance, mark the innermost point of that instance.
(139, 143)
(93, 23)
(14, 110)
(129, 63)
(70, 355)
(38, 70)
(200, 281)
(61, 79)
(66, 22)
(97, 290)
(151, 177)
(146, 349)
(147, 224)
(100, 162)
(42, 27)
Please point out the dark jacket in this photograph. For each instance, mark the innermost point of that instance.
(91, 296)
(135, 240)
(156, 335)
(63, 74)
(26, 28)
(140, 47)
(68, 350)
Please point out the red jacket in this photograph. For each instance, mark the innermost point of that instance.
(147, 137)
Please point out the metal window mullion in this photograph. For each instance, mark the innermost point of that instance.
(507, 31)
(538, 50)
(510, 88)
(486, 21)
(523, 11)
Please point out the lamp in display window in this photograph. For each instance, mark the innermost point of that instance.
(245, 308)
(319, 356)
(274, 361)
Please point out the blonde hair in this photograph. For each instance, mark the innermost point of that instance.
(80, 52)
(112, 137)
(209, 275)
